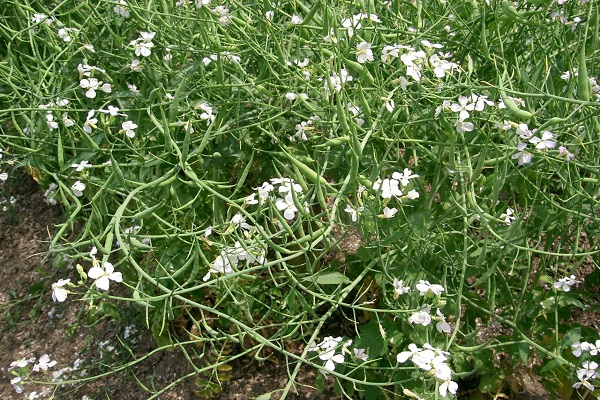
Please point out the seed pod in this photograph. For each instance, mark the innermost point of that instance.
(139, 245)
(512, 14)
(334, 142)
(513, 109)
(583, 82)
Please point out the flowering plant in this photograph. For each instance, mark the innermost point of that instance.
(412, 183)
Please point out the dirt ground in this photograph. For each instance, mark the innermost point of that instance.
(31, 325)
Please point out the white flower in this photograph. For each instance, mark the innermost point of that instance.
(389, 52)
(448, 386)
(296, 20)
(239, 220)
(389, 104)
(78, 187)
(44, 363)
(412, 195)
(59, 293)
(430, 45)
(21, 363)
(301, 129)
(133, 88)
(269, 15)
(389, 212)
(128, 127)
(251, 199)
(508, 217)
(221, 265)
(287, 206)
(52, 124)
(17, 385)
(502, 126)
(63, 33)
(414, 61)
(331, 358)
(413, 350)
(91, 85)
(563, 151)
(524, 132)
(588, 372)
(544, 142)
(264, 190)
(405, 176)
(67, 121)
(462, 108)
(565, 283)
(422, 317)
(442, 326)
(360, 354)
(576, 348)
(286, 185)
(207, 112)
(425, 288)
(353, 211)
(424, 359)
(39, 17)
(121, 9)
(330, 342)
(364, 52)
(481, 101)
(351, 24)
(103, 275)
(143, 44)
(388, 187)
(136, 65)
(399, 288)
(440, 66)
(336, 81)
(3, 177)
(523, 156)
(81, 166)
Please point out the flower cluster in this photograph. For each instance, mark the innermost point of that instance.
(229, 258)
(542, 142)
(121, 9)
(102, 273)
(416, 61)
(393, 188)
(328, 348)
(431, 360)
(303, 128)
(588, 371)
(20, 370)
(335, 81)
(51, 118)
(422, 316)
(143, 45)
(286, 188)
(565, 283)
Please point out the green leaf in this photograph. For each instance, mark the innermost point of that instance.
(521, 350)
(419, 222)
(110, 309)
(372, 392)
(572, 336)
(329, 278)
(552, 365)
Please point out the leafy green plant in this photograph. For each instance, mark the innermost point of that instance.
(398, 186)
